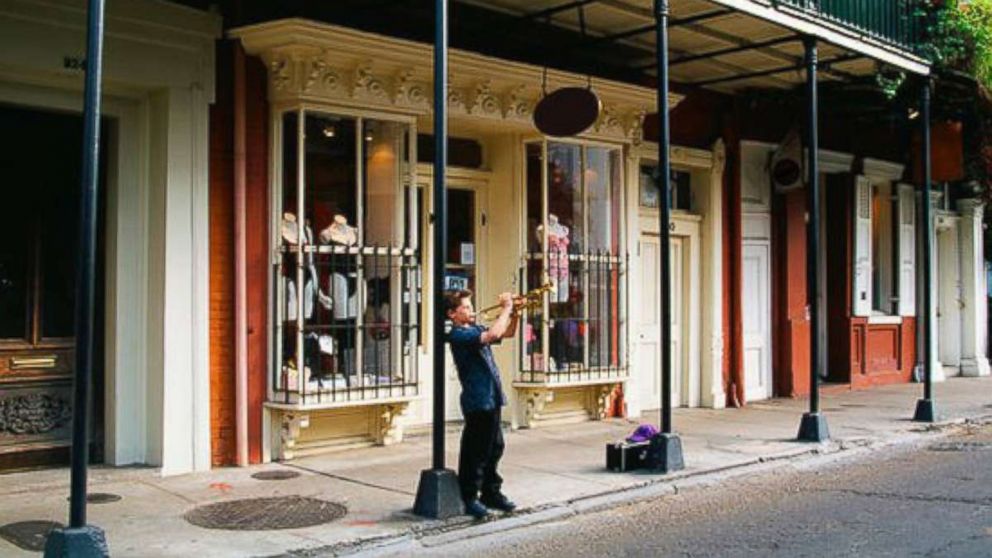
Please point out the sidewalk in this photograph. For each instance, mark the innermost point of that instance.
(542, 468)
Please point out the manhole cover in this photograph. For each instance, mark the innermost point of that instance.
(961, 446)
(28, 535)
(101, 498)
(261, 514)
(275, 475)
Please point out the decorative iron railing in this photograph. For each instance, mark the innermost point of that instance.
(353, 335)
(580, 333)
(897, 22)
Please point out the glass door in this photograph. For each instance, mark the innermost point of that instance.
(460, 270)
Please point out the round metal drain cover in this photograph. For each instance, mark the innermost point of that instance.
(28, 535)
(280, 474)
(262, 514)
(961, 446)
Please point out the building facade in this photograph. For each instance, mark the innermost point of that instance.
(266, 237)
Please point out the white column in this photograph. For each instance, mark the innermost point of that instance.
(633, 391)
(127, 291)
(711, 206)
(973, 296)
(185, 374)
(936, 366)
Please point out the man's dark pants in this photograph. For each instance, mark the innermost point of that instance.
(482, 448)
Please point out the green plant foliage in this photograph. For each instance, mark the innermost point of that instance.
(889, 82)
(961, 38)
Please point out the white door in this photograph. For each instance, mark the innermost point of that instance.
(948, 299)
(648, 315)
(755, 320)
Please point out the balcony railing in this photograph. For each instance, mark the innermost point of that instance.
(896, 22)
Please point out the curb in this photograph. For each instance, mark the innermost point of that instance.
(443, 532)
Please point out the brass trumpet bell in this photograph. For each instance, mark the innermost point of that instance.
(530, 301)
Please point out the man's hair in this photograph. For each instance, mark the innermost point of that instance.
(453, 299)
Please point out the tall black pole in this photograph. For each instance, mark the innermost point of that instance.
(438, 495)
(813, 427)
(926, 410)
(666, 454)
(80, 539)
(440, 220)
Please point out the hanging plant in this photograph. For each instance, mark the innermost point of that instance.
(889, 81)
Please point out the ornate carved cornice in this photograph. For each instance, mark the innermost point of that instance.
(315, 62)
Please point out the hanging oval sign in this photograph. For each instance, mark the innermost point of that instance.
(568, 111)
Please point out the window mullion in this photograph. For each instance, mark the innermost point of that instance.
(545, 262)
(584, 260)
(301, 239)
(359, 259)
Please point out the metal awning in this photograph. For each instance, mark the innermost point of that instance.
(727, 45)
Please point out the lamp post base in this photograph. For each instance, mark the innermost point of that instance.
(926, 411)
(665, 453)
(438, 495)
(77, 542)
(813, 428)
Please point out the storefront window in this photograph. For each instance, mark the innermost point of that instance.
(348, 271)
(574, 239)
(680, 183)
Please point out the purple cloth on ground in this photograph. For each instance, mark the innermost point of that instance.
(642, 433)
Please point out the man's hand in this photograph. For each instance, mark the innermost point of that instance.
(519, 301)
(506, 300)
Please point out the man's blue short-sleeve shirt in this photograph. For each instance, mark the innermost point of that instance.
(482, 389)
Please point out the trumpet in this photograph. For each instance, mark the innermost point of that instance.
(531, 300)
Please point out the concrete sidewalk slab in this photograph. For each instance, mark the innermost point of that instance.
(551, 472)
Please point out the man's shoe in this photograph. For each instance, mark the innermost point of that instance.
(476, 509)
(499, 502)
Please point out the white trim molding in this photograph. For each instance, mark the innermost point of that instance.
(832, 162)
(879, 170)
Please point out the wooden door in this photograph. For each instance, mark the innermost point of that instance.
(39, 206)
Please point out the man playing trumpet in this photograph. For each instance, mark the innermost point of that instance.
(481, 400)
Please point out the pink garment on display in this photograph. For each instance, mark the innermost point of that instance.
(529, 336)
(558, 264)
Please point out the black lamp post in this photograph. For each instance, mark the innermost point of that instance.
(438, 495)
(80, 539)
(926, 410)
(813, 427)
(665, 453)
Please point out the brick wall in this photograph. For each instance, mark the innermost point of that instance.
(222, 430)
(222, 357)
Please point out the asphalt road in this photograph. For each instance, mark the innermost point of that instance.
(933, 499)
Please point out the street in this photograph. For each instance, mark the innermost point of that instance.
(931, 499)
